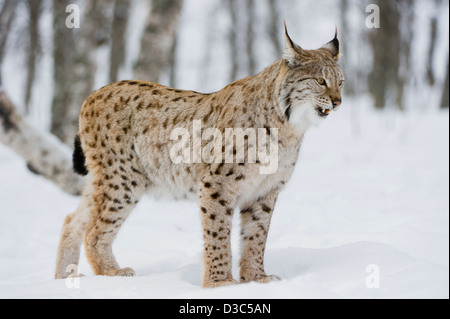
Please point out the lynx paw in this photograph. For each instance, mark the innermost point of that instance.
(263, 279)
(223, 283)
(268, 279)
(124, 272)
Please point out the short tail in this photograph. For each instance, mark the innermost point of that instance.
(79, 160)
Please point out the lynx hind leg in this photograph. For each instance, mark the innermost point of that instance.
(72, 237)
(255, 222)
(114, 197)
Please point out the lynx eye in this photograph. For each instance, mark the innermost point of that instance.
(321, 81)
(341, 83)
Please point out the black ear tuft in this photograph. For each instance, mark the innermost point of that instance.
(79, 160)
(335, 42)
(288, 38)
(334, 47)
(292, 51)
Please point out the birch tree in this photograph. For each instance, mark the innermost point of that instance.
(62, 72)
(34, 10)
(118, 33)
(445, 99)
(7, 14)
(79, 66)
(158, 39)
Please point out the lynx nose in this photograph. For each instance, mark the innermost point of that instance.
(337, 102)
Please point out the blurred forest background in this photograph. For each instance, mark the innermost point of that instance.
(48, 69)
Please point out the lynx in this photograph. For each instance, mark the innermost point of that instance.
(124, 147)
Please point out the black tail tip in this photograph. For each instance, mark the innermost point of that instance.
(79, 160)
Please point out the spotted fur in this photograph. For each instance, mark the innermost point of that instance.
(124, 136)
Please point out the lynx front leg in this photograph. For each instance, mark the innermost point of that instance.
(217, 212)
(255, 222)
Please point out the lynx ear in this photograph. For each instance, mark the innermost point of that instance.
(292, 51)
(334, 47)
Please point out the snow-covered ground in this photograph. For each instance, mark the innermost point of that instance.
(368, 204)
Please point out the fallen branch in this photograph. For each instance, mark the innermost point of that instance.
(44, 153)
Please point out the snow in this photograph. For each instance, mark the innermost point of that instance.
(370, 196)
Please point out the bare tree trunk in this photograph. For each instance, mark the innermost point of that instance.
(386, 49)
(118, 45)
(158, 39)
(274, 27)
(445, 99)
(349, 66)
(94, 32)
(233, 39)
(35, 10)
(250, 37)
(7, 14)
(391, 45)
(44, 153)
(406, 16)
(345, 60)
(78, 84)
(431, 50)
(63, 50)
(173, 63)
(434, 25)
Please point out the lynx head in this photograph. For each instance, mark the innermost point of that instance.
(313, 80)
